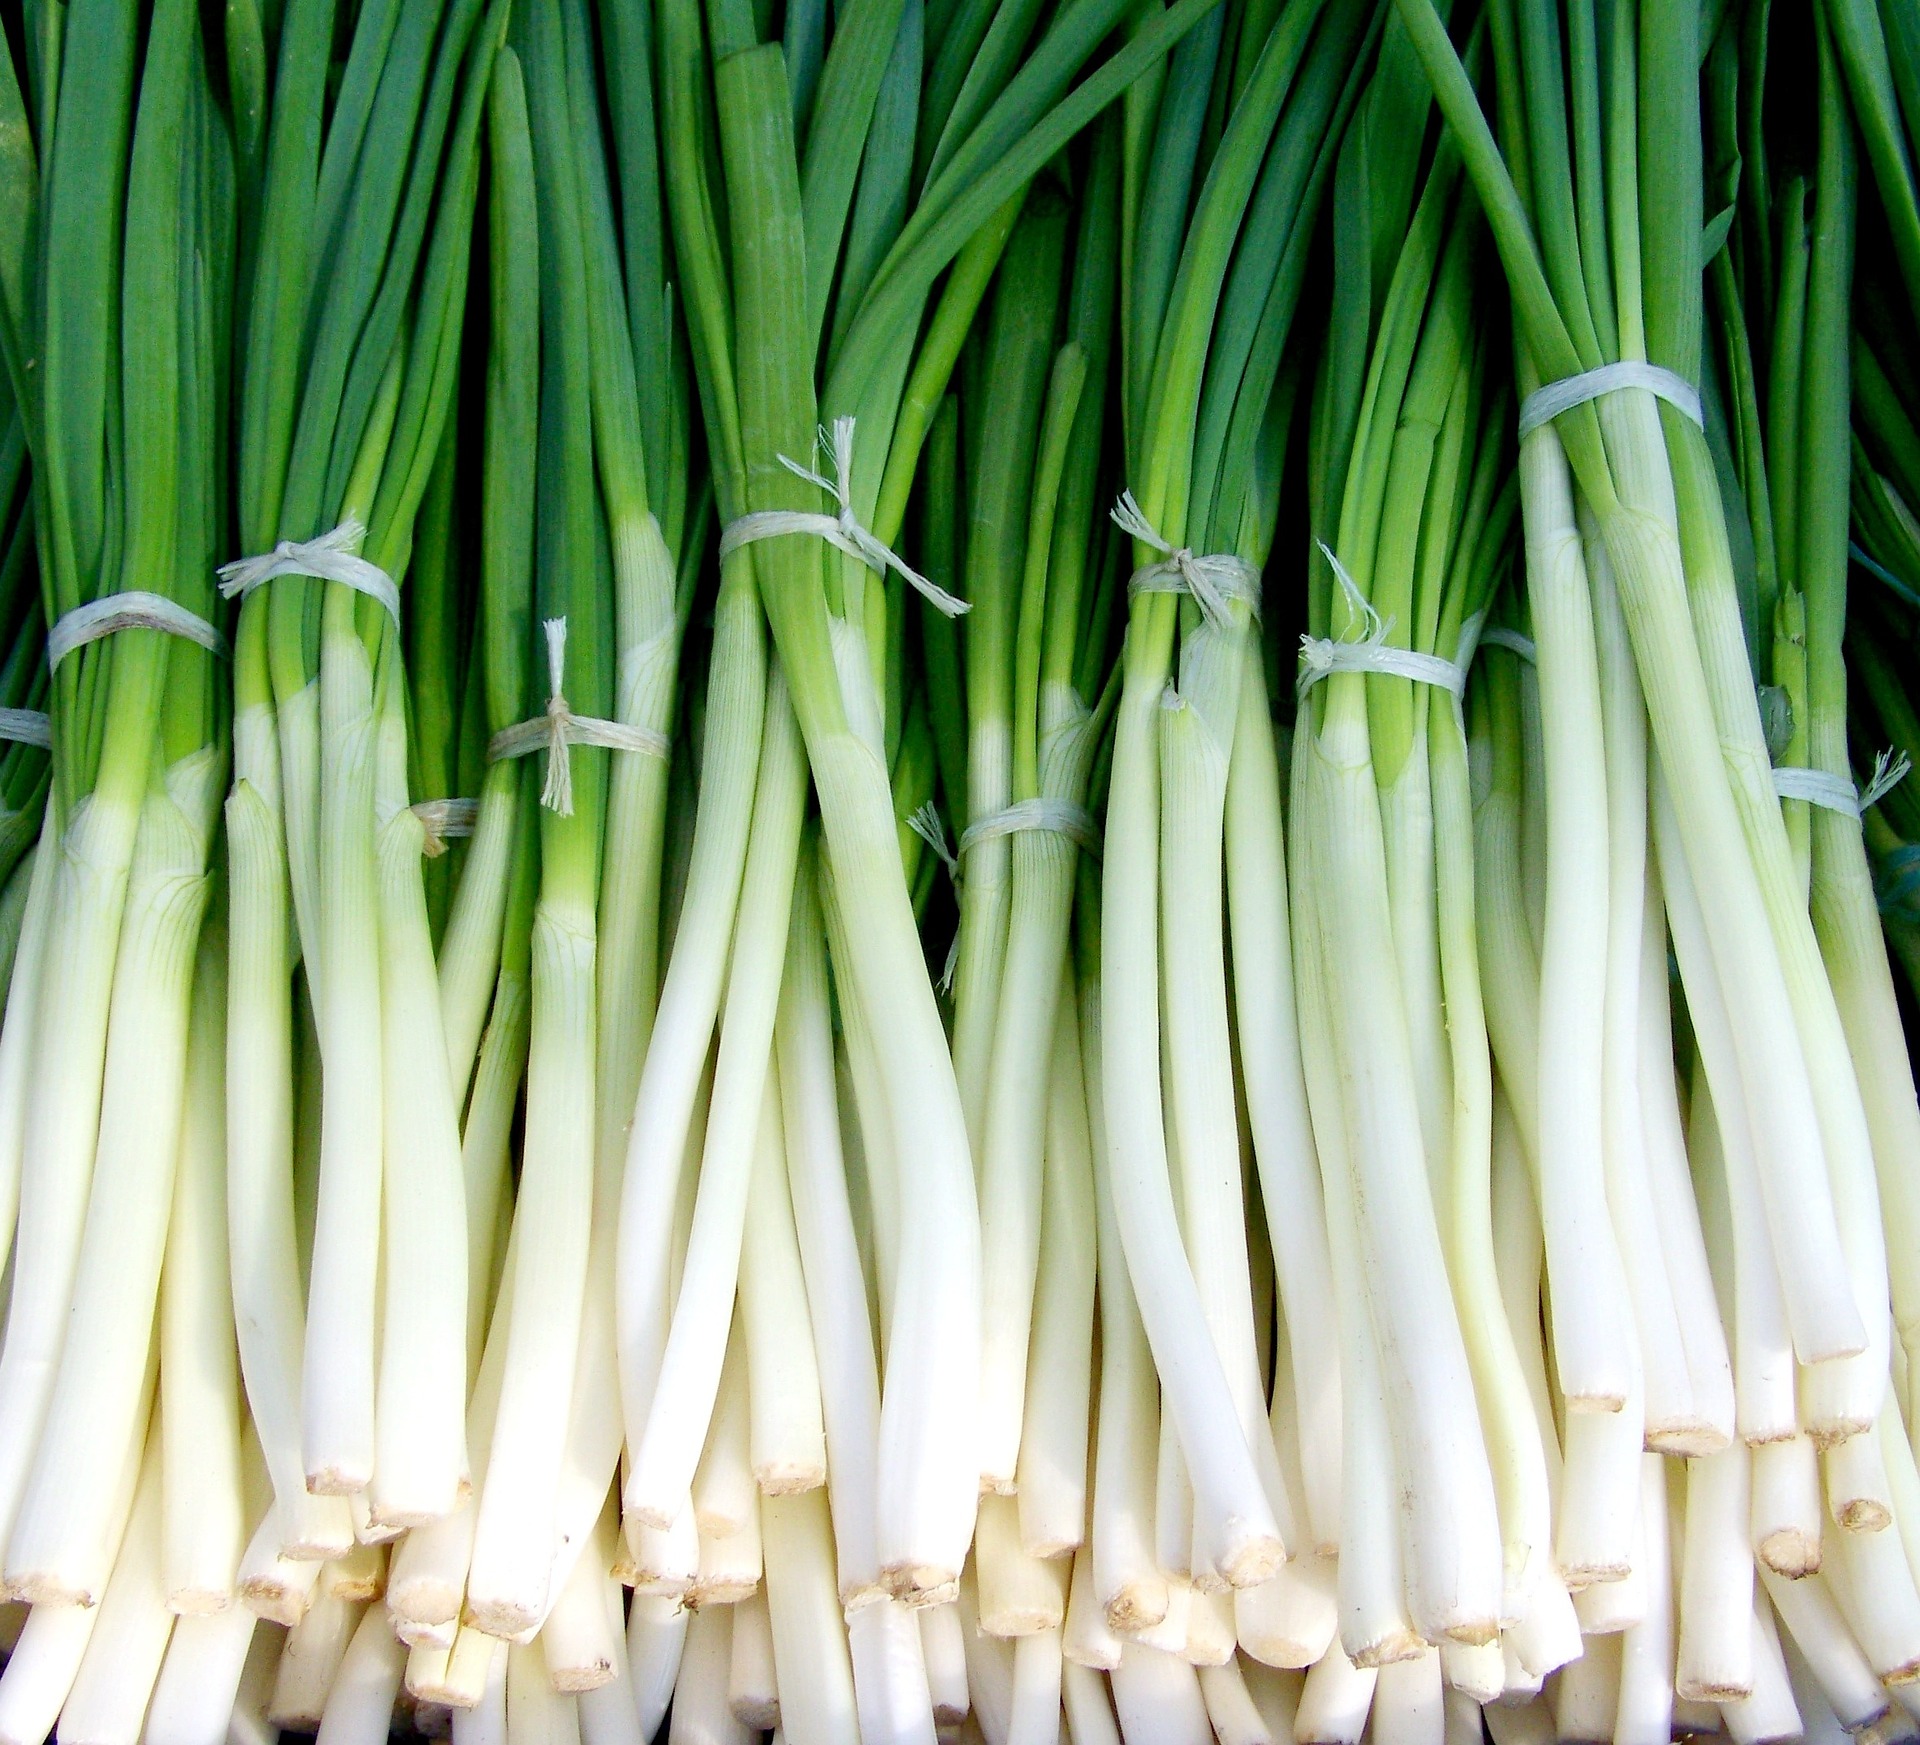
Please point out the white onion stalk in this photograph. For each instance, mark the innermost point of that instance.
(1786, 1529)
(690, 994)
(1676, 1214)
(1374, 1626)
(199, 1680)
(339, 1369)
(427, 1580)
(55, 1550)
(1725, 1167)
(204, 1531)
(676, 1418)
(789, 1446)
(943, 1648)
(1089, 1706)
(1235, 1520)
(1231, 1711)
(94, 859)
(43, 1663)
(1713, 798)
(514, 1532)
(469, 955)
(310, 1660)
(656, 1634)
(725, 1499)
(829, 1253)
(1127, 1581)
(1677, 1421)
(420, 1445)
(129, 1639)
(1288, 1621)
(1592, 1310)
(752, 1691)
(1051, 1486)
(20, 1027)
(1453, 1563)
(1715, 1653)
(1508, 1424)
(1087, 1639)
(1645, 1712)
(262, 1240)
(1019, 1594)
(1158, 1697)
(1018, 891)
(360, 1702)
(1842, 1399)
(1334, 1701)
(810, 1653)
(1198, 725)
(578, 1635)
(700, 1695)
(1770, 1712)
(873, 1176)
(927, 1473)
(1816, 1628)
(1267, 1026)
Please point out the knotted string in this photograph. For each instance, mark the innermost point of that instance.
(1322, 656)
(1822, 788)
(136, 609)
(842, 530)
(1215, 581)
(560, 728)
(332, 557)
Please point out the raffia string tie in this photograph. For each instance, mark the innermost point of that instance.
(332, 557)
(560, 728)
(1546, 403)
(27, 727)
(134, 610)
(1215, 581)
(1322, 656)
(1834, 793)
(443, 820)
(843, 529)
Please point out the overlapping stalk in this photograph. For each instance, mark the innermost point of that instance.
(1203, 335)
(352, 341)
(755, 338)
(133, 173)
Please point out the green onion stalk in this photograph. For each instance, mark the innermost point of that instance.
(1377, 840)
(793, 210)
(1885, 548)
(1208, 289)
(25, 778)
(1825, 392)
(1599, 242)
(352, 344)
(116, 349)
(485, 960)
(1033, 385)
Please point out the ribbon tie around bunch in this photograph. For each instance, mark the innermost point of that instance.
(1546, 403)
(1322, 656)
(442, 820)
(332, 557)
(560, 728)
(136, 609)
(27, 727)
(1822, 788)
(1215, 581)
(842, 530)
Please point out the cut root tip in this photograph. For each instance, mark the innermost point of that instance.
(921, 1584)
(1791, 1553)
(337, 1481)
